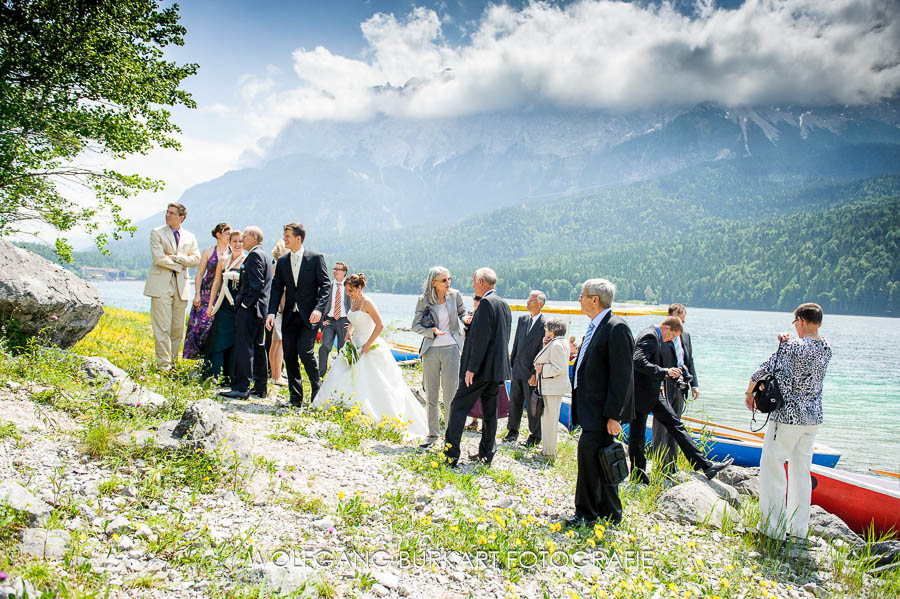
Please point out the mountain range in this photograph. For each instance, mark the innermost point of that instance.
(390, 173)
(395, 196)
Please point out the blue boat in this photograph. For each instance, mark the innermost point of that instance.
(745, 448)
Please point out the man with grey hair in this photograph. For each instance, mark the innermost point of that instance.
(527, 343)
(602, 398)
(484, 366)
(251, 305)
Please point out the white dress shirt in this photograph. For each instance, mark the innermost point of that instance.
(296, 261)
(337, 295)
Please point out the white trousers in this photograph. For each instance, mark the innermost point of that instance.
(784, 499)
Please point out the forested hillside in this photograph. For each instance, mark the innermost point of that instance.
(708, 237)
(718, 235)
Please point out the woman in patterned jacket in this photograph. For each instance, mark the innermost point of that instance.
(799, 366)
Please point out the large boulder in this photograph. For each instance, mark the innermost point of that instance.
(828, 526)
(40, 295)
(203, 427)
(697, 502)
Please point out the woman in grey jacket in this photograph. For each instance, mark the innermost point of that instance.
(438, 313)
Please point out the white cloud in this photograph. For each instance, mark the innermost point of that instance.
(604, 55)
(594, 54)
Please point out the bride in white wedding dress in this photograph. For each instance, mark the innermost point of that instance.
(375, 380)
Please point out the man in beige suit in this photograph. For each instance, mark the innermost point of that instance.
(173, 250)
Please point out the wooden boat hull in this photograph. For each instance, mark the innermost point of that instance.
(864, 502)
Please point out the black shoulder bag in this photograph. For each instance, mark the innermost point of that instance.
(613, 464)
(536, 401)
(767, 396)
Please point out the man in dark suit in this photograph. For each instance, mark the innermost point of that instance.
(526, 345)
(483, 367)
(301, 275)
(602, 387)
(678, 352)
(251, 303)
(649, 374)
(334, 320)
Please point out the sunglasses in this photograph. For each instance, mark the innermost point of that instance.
(447, 280)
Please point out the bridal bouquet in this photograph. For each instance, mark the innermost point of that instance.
(351, 352)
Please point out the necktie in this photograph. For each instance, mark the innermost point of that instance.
(338, 302)
(583, 349)
(177, 235)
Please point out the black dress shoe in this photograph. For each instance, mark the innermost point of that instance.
(426, 445)
(532, 442)
(640, 477)
(235, 394)
(479, 459)
(717, 467)
(510, 438)
(260, 394)
(579, 522)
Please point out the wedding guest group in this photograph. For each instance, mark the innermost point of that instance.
(173, 250)
(466, 359)
(799, 367)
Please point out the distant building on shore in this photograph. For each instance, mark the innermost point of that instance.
(108, 274)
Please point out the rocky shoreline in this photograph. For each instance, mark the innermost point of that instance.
(252, 499)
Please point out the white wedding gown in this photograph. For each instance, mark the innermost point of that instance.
(375, 382)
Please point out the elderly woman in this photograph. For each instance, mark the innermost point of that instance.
(551, 364)
(799, 366)
(438, 313)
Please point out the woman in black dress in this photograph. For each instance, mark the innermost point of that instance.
(221, 306)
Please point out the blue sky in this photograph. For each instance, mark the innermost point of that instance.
(267, 62)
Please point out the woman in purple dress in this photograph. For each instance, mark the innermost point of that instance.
(199, 322)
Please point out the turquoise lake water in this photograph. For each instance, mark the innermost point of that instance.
(862, 387)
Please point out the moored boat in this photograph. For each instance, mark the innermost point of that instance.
(864, 502)
(746, 449)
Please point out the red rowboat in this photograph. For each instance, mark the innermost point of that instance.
(864, 502)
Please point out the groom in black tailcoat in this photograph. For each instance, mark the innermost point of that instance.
(483, 367)
(251, 304)
(302, 276)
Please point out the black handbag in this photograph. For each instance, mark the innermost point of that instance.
(767, 396)
(427, 320)
(536, 401)
(613, 463)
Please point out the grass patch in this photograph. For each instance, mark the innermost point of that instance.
(354, 425)
(302, 502)
(8, 430)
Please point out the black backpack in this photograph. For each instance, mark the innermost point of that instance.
(767, 396)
